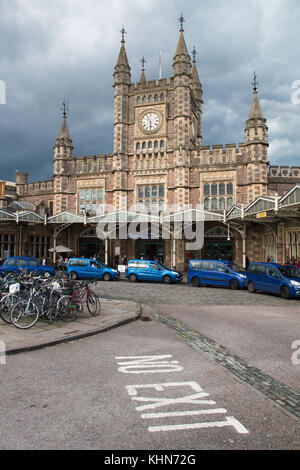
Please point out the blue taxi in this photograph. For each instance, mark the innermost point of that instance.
(274, 278)
(85, 268)
(216, 273)
(147, 270)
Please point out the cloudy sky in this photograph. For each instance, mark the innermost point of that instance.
(67, 49)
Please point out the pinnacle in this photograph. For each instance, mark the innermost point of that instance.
(255, 111)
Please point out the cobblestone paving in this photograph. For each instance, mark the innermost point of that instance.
(156, 293)
(281, 395)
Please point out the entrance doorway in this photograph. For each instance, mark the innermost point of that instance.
(150, 249)
(90, 245)
(219, 250)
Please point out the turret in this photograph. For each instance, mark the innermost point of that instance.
(122, 81)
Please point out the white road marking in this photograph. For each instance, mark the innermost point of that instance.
(230, 421)
(183, 413)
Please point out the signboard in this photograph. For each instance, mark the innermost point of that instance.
(261, 215)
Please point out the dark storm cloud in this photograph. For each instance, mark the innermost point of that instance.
(51, 51)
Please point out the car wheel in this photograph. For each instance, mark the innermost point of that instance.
(132, 278)
(285, 292)
(167, 280)
(196, 282)
(73, 275)
(107, 277)
(234, 284)
(251, 287)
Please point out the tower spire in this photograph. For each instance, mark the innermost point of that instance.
(182, 60)
(143, 77)
(256, 128)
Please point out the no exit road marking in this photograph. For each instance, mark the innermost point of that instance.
(173, 394)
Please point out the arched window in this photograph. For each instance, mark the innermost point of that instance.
(155, 144)
(229, 202)
(138, 100)
(138, 146)
(222, 189)
(222, 203)
(162, 144)
(229, 188)
(150, 145)
(144, 99)
(156, 98)
(214, 203)
(162, 97)
(150, 99)
(214, 189)
(206, 190)
(144, 145)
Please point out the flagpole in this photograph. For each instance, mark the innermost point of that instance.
(159, 62)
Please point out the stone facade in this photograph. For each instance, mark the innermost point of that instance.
(158, 159)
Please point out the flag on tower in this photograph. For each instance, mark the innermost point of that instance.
(159, 63)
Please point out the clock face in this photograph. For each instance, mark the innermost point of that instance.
(150, 122)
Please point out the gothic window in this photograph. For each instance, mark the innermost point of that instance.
(162, 97)
(150, 99)
(156, 98)
(206, 190)
(144, 145)
(214, 203)
(222, 189)
(206, 203)
(150, 145)
(138, 100)
(222, 203)
(89, 200)
(214, 189)
(161, 191)
(155, 144)
(144, 99)
(229, 202)
(148, 197)
(154, 205)
(138, 146)
(229, 188)
(162, 144)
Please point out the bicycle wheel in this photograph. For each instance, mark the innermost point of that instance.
(6, 305)
(24, 314)
(67, 308)
(49, 306)
(93, 304)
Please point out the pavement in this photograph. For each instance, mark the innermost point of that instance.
(114, 313)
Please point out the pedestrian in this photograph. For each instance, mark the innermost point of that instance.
(60, 263)
(43, 261)
(116, 261)
(124, 261)
(272, 260)
(268, 259)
